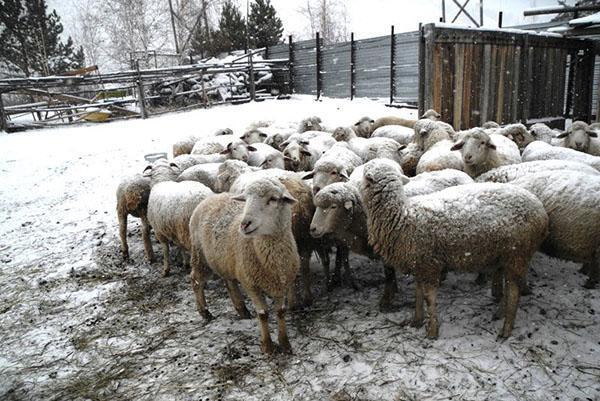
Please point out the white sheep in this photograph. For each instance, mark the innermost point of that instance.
(581, 137)
(265, 156)
(334, 166)
(371, 148)
(512, 172)
(254, 135)
(203, 173)
(572, 200)
(434, 181)
(310, 124)
(440, 156)
(541, 132)
(363, 127)
(302, 151)
(228, 172)
(463, 228)
(170, 207)
(482, 152)
(186, 145)
(249, 243)
(538, 150)
(409, 158)
(425, 126)
(132, 199)
(398, 133)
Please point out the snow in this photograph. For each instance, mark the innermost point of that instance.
(589, 20)
(77, 323)
(488, 29)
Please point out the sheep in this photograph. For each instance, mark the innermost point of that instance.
(572, 201)
(253, 136)
(538, 150)
(371, 148)
(334, 166)
(541, 132)
(434, 181)
(265, 156)
(439, 157)
(409, 158)
(302, 152)
(170, 207)
(392, 120)
(202, 173)
(343, 134)
(132, 199)
(162, 170)
(186, 145)
(228, 172)
(461, 228)
(251, 244)
(512, 172)
(425, 126)
(214, 144)
(490, 124)
(237, 149)
(398, 133)
(518, 133)
(482, 152)
(581, 137)
(363, 127)
(186, 161)
(277, 138)
(310, 124)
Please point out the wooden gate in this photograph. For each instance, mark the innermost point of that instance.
(473, 75)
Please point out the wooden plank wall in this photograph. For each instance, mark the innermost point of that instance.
(473, 76)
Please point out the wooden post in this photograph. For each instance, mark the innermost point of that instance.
(204, 97)
(140, 89)
(291, 62)
(598, 103)
(422, 57)
(572, 63)
(392, 65)
(251, 76)
(3, 121)
(353, 66)
(318, 56)
(525, 81)
(500, 19)
(173, 26)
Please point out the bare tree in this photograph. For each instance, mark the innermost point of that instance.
(328, 17)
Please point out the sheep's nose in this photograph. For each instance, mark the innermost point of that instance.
(468, 157)
(313, 229)
(316, 190)
(245, 224)
(244, 158)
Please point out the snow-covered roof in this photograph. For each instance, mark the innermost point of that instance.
(589, 20)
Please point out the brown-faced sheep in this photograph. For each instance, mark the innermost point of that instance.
(132, 199)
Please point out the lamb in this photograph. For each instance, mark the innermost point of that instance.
(363, 127)
(343, 134)
(249, 243)
(203, 173)
(482, 152)
(538, 150)
(228, 172)
(334, 166)
(302, 152)
(501, 227)
(253, 136)
(572, 201)
(237, 149)
(581, 137)
(186, 145)
(265, 156)
(170, 207)
(132, 199)
(398, 133)
(512, 172)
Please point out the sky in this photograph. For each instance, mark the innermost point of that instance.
(368, 18)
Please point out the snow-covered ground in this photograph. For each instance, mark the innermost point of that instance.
(76, 323)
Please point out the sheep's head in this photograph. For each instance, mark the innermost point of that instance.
(518, 134)
(253, 136)
(238, 150)
(310, 124)
(475, 147)
(274, 160)
(326, 173)
(409, 157)
(490, 124)
(334, 207)
(275, 141)
(431, 115)
(430, 136)
(381, 175)
(224, 131)
(268, 208)
(541, 132)
(295, 154)
(343, 134)
(227, 173)
(578, 136)
(161, 170)
(364, 127)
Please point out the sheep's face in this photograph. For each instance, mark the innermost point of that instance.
(238, 150)
(541, 132)
(274, 161)
(379, 174)
(341, 134)
(295, 155)
(224, 131)
(162, 170)
(409, 158)
(327, 174)
(310, 124)
(475, 148)
(228, 172)
(519, 135)
(254, 136)
(364, 127)
(275, 141)
(431, 115)
(331, 214)
(267, 210)
(578, 137)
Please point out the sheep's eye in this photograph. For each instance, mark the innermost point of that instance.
(273, 200)
(334, 206)
(483, 143)
(334, 173)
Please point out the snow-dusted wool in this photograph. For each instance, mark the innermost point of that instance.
(203, 173)
(400, 134)
(511, 172)
(434, 181)
(334, 166)
(265, 156)
(538, 150)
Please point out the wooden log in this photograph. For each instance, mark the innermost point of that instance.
(3, 117)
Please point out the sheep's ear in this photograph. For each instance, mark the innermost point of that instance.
(372, 121)
(147, 171)
(344, 175)
(532, 133)
(225, 152)
(491, 146)
(401, 147)
(563, 135)
(348, 205)
(251, 148)
(305, 152)
(286, 197)
(592, 133)
(510, 136)
(174, 165)
(356, 124)
(423, 116)
(308, 175)
(405, 179)
(240, 197)
(263, 163)
(458, 146)
(262, 134)
(369, 177)
(283, 145)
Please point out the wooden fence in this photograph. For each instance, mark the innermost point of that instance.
(471, 76)
(380, 67)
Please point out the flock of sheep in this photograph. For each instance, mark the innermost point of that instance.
(418, 195)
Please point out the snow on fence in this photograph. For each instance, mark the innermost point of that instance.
(380, 67)
(475, 75)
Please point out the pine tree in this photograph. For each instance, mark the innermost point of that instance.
(232, 29)
(264, 25)
(31, 39)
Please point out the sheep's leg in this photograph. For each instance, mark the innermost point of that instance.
(305, 272)
(390, 288)
(347, 272)
(481, 279)
(284, 341)
(511, 302)
(323, 253)
(146, 238)
(418, 319)
(266, 345)
(593, 271)
(198, 278)
(123, 235)
(430, 292)
(237, 299)
(166, 266)
(497, 285)
(336, 281)
(186, 259)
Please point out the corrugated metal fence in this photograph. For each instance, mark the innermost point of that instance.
(381, 67)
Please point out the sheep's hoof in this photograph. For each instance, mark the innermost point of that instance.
(416, 323)
(165, 273)
(524, 289)
(285, 347)
(432, 332)
(244, 314)
(590, 284)
(502, 337)
(206, 315)
(481, 280)
(267, 347)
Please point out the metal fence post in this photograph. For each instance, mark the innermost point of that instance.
(291, 62)
(392, 66)
(422, 57)
(352, 66)
(140, 89)
(318, 54)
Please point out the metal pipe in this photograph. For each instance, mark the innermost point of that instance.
(558, 10)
